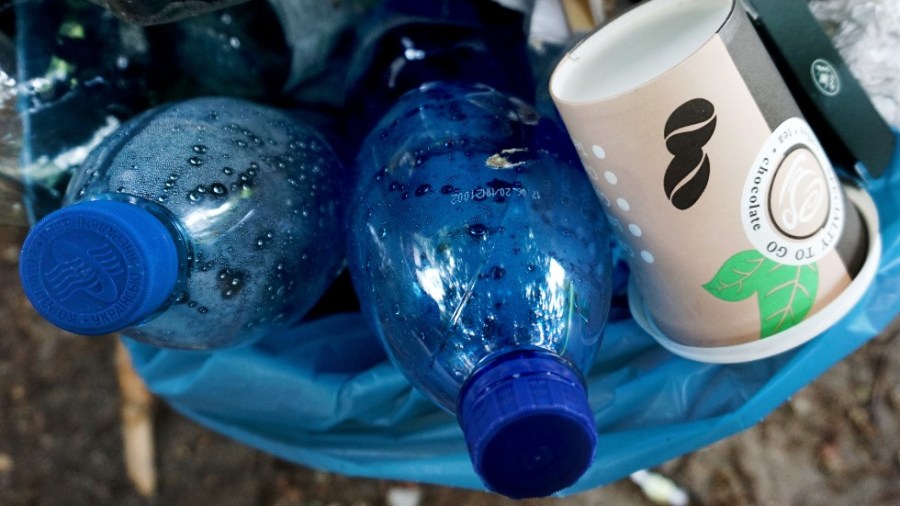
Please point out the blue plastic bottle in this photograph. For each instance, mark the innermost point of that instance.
(199, 224)
(480, 255)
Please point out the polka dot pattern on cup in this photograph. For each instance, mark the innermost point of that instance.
(623, 205)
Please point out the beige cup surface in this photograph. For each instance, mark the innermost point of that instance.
(730, 215)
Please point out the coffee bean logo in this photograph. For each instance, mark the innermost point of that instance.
(687, 131)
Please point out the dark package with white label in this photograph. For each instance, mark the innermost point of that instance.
(839, 109)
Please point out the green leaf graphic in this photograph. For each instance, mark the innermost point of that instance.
(740, 276)
(785, 293)
(788, 297)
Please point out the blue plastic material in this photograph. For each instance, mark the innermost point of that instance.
(475, 233)
(527, 424)
(323, 394)
(98, 266)
(253, 197)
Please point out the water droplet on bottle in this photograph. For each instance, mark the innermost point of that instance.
(202, 310)
(423, 190)
(477, 230)
(234, 42)
(218, 189)
(496, 272)
(200, 148)
(230, 282)
(264, 240)
(195, 161)
(396, 309)
(227, 171)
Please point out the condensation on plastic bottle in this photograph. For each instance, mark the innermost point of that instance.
(199, 224)
(478, 250)
(480, 255)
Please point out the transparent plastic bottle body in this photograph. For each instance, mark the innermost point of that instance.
(252, 199)
(475, 234)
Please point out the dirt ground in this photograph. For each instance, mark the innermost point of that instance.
(60, 443)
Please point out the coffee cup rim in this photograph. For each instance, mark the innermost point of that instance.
(618, 27)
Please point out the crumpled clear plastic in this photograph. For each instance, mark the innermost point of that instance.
(152, 12)
(324, 395)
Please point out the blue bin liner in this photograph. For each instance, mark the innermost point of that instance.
(323, 394)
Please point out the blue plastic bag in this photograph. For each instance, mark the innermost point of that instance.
(324, 395)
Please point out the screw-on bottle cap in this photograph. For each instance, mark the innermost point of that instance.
(99, 266)
(528, 425)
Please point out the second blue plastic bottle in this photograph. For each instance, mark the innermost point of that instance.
(480, 255)
(478, 249)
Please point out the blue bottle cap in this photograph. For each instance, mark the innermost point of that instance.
(528, 425)
(99, 266)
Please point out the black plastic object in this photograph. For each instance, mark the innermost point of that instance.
(81, 72)
(836, 105)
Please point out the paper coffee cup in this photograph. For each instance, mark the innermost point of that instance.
(732, 219)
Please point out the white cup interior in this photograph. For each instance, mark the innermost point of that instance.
(637, 47)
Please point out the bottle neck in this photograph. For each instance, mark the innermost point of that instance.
(183, 247)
